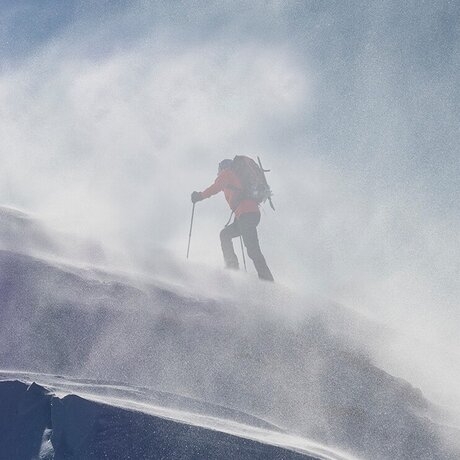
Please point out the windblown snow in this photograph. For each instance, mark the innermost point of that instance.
(105, 361)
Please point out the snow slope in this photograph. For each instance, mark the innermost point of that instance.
(84, 420)
(255, 360)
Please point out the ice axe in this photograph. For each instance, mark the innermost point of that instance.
(266, 183)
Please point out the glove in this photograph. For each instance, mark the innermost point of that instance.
(196, 196)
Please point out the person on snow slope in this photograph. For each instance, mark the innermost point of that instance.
(247, 217)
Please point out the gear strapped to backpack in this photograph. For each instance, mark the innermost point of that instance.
(252, 177)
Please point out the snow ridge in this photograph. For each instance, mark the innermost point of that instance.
(247, 353)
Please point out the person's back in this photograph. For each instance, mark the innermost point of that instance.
(247, 217)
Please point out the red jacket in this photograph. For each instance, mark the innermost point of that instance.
(228, 182)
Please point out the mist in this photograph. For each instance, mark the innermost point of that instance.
(112, 114)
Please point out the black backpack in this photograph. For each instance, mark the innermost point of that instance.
(252, 177)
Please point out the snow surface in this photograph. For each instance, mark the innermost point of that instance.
(72, 418)
(197, 347)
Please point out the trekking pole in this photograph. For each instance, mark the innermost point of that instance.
(242, 251)
(190, 232)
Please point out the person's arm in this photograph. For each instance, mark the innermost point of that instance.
(215, 188)
(218, 186)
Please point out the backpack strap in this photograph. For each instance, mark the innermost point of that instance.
(230, 218)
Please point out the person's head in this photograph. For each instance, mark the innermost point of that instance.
(224, 164)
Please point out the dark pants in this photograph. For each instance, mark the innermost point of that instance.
(245, 226)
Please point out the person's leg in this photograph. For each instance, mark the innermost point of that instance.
(247, 224)
(226, 236)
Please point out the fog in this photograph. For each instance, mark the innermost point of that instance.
(111, 115)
